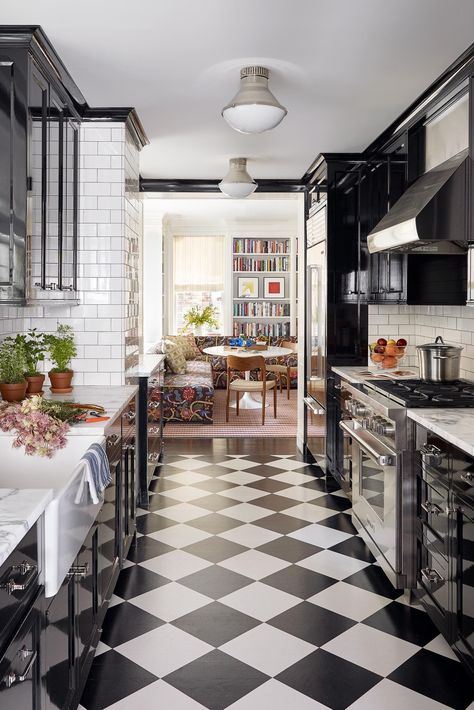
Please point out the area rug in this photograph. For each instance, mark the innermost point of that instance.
(248, 423)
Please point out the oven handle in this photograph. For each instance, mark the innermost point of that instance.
(310, 402)
(382, 458)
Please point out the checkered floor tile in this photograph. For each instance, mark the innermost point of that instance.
(248, 588)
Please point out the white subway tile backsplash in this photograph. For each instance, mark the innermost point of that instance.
(97, 161)
(108, 176)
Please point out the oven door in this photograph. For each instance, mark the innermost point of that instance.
(375, 497)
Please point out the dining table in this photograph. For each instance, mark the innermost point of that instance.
(273, 351)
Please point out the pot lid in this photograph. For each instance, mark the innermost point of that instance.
(439, 344)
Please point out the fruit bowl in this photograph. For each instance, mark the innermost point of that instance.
(387, 354)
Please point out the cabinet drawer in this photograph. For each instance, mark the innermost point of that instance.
(18, 583)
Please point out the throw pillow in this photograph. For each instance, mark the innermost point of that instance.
(186, 343)
(175, 360)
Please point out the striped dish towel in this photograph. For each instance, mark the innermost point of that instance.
(96, 473)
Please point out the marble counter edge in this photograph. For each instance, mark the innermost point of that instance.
(27, 505)
(442, 421)
(146, 366)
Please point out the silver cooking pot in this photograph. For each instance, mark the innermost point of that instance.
(439, 361)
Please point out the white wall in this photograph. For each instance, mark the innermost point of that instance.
(421, 324)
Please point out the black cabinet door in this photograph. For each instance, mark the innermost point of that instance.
(59, 648)
(86, 598)
(107, 544)
(464, 581)
(20, 666)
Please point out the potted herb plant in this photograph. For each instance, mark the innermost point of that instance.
(34, 348)
(12, 371)
(62, 349)
(197, 317)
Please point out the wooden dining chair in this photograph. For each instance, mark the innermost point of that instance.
(282, 369)
(247, 364)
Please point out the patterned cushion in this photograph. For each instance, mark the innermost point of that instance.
(186, 343)
(175, 360)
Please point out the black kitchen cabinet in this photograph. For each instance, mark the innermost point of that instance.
(85, 571)
(58, 644)
(464, 579)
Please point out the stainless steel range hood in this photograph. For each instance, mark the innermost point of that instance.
(430, 217)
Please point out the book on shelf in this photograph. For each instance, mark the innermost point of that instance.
(261, 246)
(251, 264)
(270, 330)
(261, 309)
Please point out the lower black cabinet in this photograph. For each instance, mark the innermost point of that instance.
(20, 666)
(86, 607)
(464, 581)
(58, 643)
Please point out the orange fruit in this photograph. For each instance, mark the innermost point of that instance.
(377, 357)
(389, 362)
(391, 350)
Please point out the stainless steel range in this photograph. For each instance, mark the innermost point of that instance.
(383, 480)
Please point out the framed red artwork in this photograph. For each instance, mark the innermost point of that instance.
(274, 287)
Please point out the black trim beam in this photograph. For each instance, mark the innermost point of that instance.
(212, 186)
(127, 115)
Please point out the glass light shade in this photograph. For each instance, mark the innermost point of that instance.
(237, 183)
(254, 109)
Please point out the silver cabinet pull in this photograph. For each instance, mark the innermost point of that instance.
(431, 577)
(79, 571)
(467, 476)
(130, 416)
(13, 677)
(153, 429)
(25, 568)
(432, 454)
(432, 508)
(112, 439)
(154, 457)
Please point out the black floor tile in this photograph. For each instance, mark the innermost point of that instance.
(281, 523)
(341, 522)
(316, 484)
(215, 523)
(332, 502)
(162, 484)
(301, 582)
(373, 579)
(269, 485)
(145, 548)
(214, 470)
(124, 622)
(264, 469)
(137, 580)
(215, 549)
(405, 622)
(286, 548)
(276, 503)
(157, 501)
(214, 485)
(113, 677)
(312, 623)
(328, 679)
(216, 623)
(437, 677)
(354, 547)
(215, 503)
(216, 680)
(147, 524)
(215, 581)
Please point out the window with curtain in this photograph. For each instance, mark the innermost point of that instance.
(198, 275)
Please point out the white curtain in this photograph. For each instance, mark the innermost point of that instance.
(198, 263)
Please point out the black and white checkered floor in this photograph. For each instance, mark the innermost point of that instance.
(249, 589)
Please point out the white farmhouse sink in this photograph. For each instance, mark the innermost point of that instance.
(66, 522)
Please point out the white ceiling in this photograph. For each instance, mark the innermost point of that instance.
(344, 69)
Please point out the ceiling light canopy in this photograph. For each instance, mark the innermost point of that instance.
(254, 109)
(237, 183)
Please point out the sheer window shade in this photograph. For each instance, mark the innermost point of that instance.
(198, 263)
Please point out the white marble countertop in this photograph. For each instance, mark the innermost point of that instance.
(454, 425)
(146, 365)
(19, 511)
(357, 375)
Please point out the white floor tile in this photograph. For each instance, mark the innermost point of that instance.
(179, 535)
(293, 478)
(441, 646)
(310, 513)
(254, 564)
(249, 535)
(163, 650)
(176, 564)
(274, 695)
(333, 564)
(157, 695)
(238, 464)
(372, 649)
(170, 602)
(387, 695)
(289, 465)
(348, 600)
(185, 494)
(182, 512)
(268, 649)
(240, 477)
(301, 494)
(189, 464)
(320, 535)
(260, 601)
(101, 648)
(246, 512)
(242, 493)
(187, 478)
(114, 600)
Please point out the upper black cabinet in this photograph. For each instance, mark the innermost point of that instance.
(38, 172)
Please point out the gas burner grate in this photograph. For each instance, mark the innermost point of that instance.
(417, 393)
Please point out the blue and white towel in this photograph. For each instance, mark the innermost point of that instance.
(96, 473)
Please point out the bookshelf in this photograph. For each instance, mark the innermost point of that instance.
(263, 285)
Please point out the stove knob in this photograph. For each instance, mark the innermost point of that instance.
(360, 410)
(386, 428)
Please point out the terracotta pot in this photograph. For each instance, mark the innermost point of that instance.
(61, 381)
(13, 393)
(35, 384)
